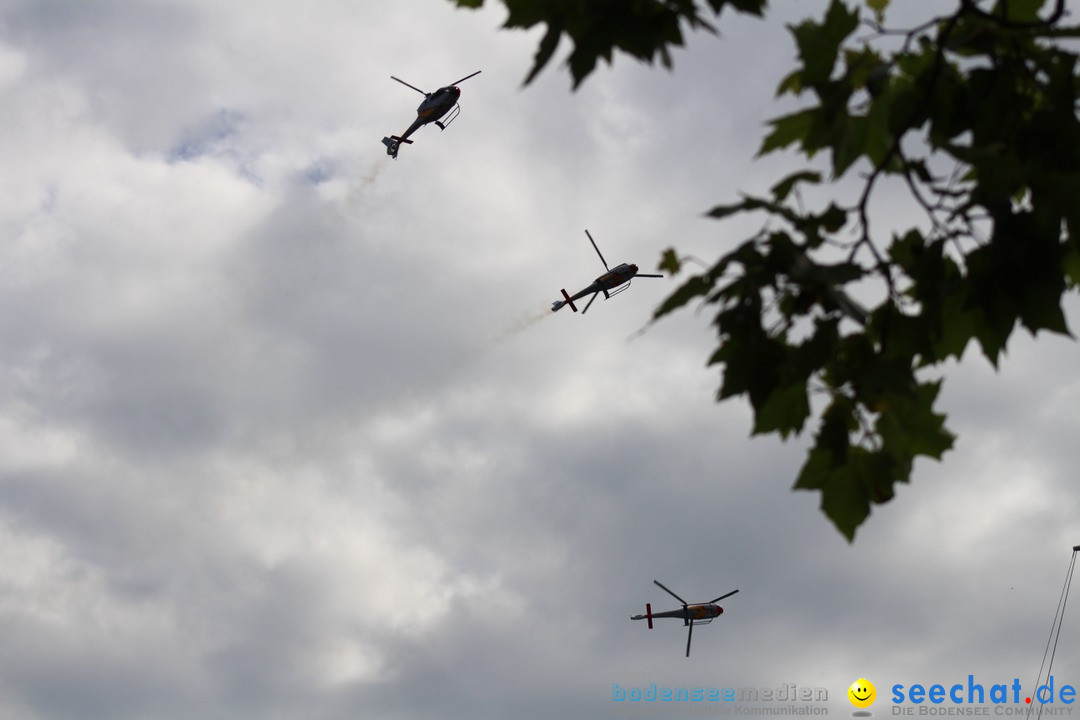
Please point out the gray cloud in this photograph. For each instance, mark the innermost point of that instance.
(288, 431)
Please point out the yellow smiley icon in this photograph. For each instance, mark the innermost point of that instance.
(862, 693)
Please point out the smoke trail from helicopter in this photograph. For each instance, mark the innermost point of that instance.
(357, 194)
(497, 337)
(373, 173)
(519, 326)
(365, 184)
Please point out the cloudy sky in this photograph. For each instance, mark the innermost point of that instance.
(288, 431)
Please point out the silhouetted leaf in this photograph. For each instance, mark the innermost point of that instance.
(784, 412)
(787, 130)
(544, 51)
(645, 30)
(878, 6)
(819, 44)
(783, 188)
(669, 262)
(692, 288)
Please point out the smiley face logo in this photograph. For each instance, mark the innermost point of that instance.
(862, 693)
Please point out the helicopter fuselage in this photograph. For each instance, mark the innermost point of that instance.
(614, 278)
(692, 612)
(608, 281)
(438, 104)
(434, 107)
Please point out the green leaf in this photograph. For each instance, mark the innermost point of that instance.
(787, 130)
(1023, 11)
(816, 471)
(546, 49)
(955, 326)
(849, 145)
(844, 499)
(750, 7)
(878, 6)
(833, 219)
(751, 360)
(819, 45)
(792, 83)
(669, 262)
(692, 288)
(1071, 263)
(908, 426)
(837, 423)
(643, 29)
(783, 188)
(784, 412)
(722, 211)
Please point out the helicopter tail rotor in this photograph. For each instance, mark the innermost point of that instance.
(393, 144)
(647, 616)
(559, 303)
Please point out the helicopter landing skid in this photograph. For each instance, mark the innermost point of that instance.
(454, 112)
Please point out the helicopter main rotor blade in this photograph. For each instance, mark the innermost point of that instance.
(722, 597)
(590, 302)
(466, 78)
(598, 253)
(647, 275)
(671, 593)
(689, 637)
(410, 86)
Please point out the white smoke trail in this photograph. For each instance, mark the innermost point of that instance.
(486, 344)
(358, 192)
(519, 326)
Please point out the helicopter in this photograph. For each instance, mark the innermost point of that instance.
(610, 283)
(691, 613)
(435, 105)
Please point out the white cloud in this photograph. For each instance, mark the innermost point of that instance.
(289, 432)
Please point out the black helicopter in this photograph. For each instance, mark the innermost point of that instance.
(691, 613)
(432, 109)
(613, 282)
